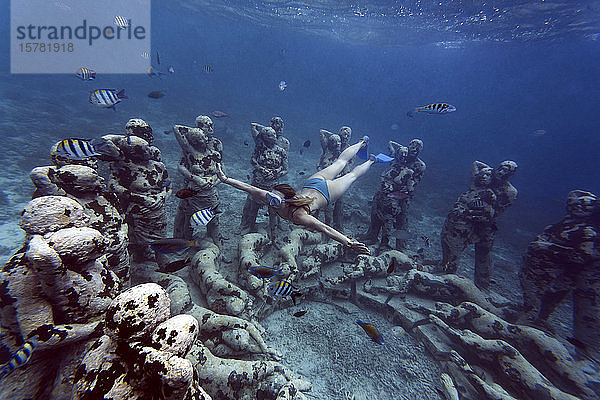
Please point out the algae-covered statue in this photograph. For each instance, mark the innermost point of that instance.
(200, 154)
(472, 220)
(55, 291)
(565, 259)
(270, 164)
(392, 199)
(84, 185)
(139, 178)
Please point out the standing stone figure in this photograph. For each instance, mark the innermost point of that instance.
(139, 178)
(270, 163)
(473, 219)
(201, 152)
(392, 199)
(565, 259)
(332, 145)
(84, 185)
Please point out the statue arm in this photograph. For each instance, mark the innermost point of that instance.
(178, 131)
(284, 165)
(255, 130)
(324, 135)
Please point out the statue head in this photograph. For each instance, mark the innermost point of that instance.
(505, 170)
(205, 123)
(344, 134)
(277, 125)
(582, 204)
(415, 147)
(334, 143)
(268, 136)
(140, 128)
(481, 174)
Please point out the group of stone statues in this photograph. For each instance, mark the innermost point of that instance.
(76, 217)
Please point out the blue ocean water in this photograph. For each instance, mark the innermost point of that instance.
(504, 90)
(528, 66)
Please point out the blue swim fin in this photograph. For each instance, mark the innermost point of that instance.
(363, 153)
(383, 158)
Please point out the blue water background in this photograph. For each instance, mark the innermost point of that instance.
(503, 92)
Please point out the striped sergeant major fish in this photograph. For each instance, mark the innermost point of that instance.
(20, 357)
(107, 98)
(371, 331)
(203, 217)
(434, 109)
(283, 289)
(86, 74)
(121, 22)
(74, 149)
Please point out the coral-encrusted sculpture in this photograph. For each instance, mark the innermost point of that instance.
(142, 352)
(57, 289)
(83, 184)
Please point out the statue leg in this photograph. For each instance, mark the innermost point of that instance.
(586, 308)
(374, 228)
(182, 228)
(455, 238)
(483, 263)
(249, 215)
(328, 211)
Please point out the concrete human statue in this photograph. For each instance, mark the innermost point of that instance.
(472, 221)
(391, 201)
(270, 163)
(564, 260)
(139, 178)
(201, 152)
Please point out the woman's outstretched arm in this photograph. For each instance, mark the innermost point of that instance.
(257, 193)
(313, 223)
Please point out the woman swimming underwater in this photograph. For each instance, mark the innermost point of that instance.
(317, 192)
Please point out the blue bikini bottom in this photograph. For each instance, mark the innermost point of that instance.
(318, 184)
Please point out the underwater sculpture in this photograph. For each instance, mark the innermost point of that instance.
(143, 350)
(473, 218)
(391, 201)
(139, 178)
(332, 145)
(200, 154)
(565, 259)
(84, 185)
(270, 163)
(56, 289)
